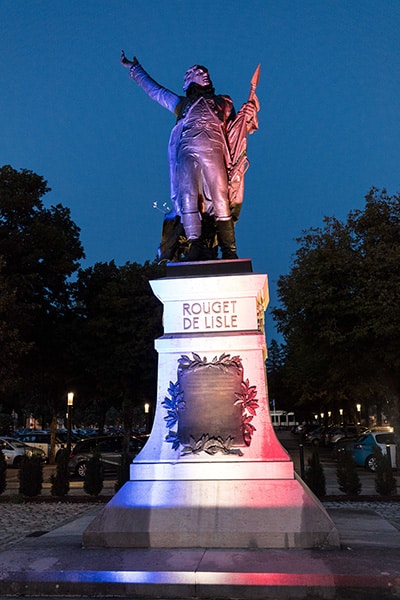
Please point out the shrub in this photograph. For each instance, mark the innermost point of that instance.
(60, 481)
(123, 473)
(314, 475)
(385, 481)
(30, 476)
(347, 475)
(3, 473)
(93, 483)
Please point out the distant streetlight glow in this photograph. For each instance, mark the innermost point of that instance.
(70, 403)
(147, 417)
(358, 407)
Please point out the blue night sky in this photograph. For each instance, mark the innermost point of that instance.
(329, 119)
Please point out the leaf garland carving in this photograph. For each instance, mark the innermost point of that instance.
(246, 399)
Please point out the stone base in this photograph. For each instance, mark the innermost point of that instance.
(239, 492)
(259, 513)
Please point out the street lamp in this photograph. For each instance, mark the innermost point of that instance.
(358, 407)
(146, 415)
(70, 403)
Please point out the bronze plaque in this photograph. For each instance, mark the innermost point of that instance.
(208, 402)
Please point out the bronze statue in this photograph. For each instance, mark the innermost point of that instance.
(207, 161)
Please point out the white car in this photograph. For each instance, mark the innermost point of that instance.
(14, 450)
(41, 439)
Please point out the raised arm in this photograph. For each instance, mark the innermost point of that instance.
(154, 90)
(128, 63)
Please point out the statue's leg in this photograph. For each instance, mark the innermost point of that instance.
(189, 177)
(226, 239)
(235, 212)
(217, 182)
(209, 237)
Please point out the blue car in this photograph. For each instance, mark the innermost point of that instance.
(362, 449)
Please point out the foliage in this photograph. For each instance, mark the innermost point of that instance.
(211, 445)
(123, 473)
(30, 476)
(224, 362)
(339, 310)
(385, 481)
(314, 475)
(347, 475)
(93, 482)
(3, 473)
(95, 336)
(117, 319)
(247, 400)
(278, 391)
(60, 481)
(14, 348)
(39, 251)
(6, 424)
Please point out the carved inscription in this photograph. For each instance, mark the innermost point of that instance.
(210, 315)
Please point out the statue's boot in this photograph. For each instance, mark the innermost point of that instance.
(195, 251)
(226, 239)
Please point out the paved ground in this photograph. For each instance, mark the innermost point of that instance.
(55, 565)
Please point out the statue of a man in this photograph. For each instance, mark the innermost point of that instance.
(199, 153)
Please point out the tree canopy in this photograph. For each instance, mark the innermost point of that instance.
(118, 317)
(92, 334)
(339, 312)
(39, 250)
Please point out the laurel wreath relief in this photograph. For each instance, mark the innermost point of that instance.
(174, 403)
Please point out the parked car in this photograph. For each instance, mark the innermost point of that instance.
(110, 447)
(14, 451)
(336, 434)
(41, 439)
(362, 449)
(316, 436)
(302, 428)
(62, 434)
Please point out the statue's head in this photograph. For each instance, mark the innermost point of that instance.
(198, 75)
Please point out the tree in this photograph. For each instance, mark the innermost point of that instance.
(385, 481)
(40, 250)
(3, 472)
(339, 310)
(347, 474)
(118, 318)
(40, 246)
(275, 365)
(11, 337)
(123, 473)
(314, 475)
(94, 478)
(30, 476)
(60, 480)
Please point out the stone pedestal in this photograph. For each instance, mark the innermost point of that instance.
(212, 473)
